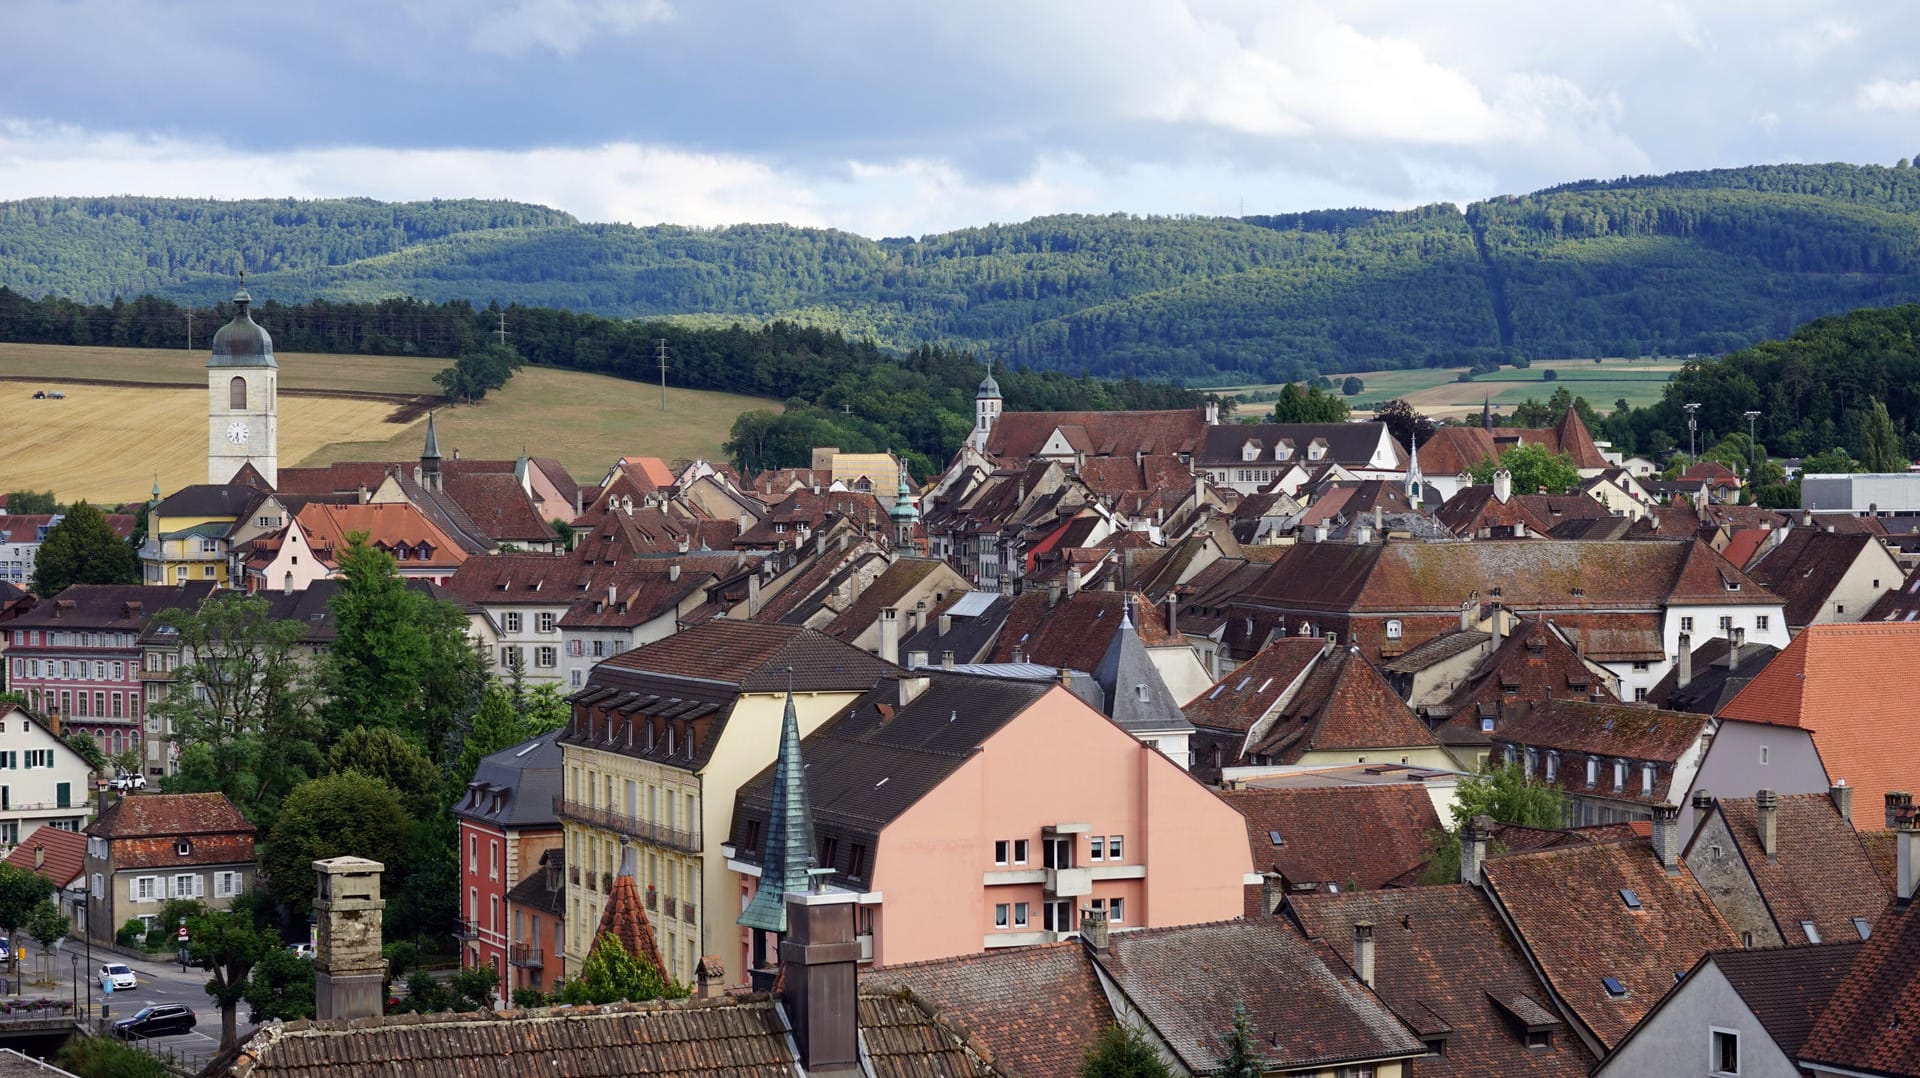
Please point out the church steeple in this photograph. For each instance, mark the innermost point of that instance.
(242, 405)
(430, 458)
(987, 403)
(904, 513)
(1415, 481)
(1486, 413)
(787, 857)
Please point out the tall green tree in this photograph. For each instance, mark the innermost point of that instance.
(227, 943)
(32, 501)
(1243, 1059)
(1310, 404)
(1533, 469)
(243, 707)
(1123, 1052)
(339, 815)
(82, 549)
(1880, 446)
(280, 987)
(21, 893)
(1507, 794)
(612, 973)
(386, 755)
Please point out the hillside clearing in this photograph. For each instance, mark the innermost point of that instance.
(1437, 391)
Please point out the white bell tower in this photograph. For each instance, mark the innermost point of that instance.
(242, 398)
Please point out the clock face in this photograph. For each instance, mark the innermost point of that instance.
(236, 432)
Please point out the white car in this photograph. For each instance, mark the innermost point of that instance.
(130, 782)
(116, 977)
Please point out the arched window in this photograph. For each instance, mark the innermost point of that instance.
(1393, 629)
(237, 393)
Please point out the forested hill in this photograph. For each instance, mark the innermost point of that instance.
(1691, 262)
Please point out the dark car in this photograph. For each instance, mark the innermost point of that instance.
(159, 1020)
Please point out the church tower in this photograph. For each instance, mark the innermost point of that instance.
(986, 409)
(242, 392)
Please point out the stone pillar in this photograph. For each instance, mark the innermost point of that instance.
(349, 972)
(820, 958)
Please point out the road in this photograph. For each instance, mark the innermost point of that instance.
(160, 982)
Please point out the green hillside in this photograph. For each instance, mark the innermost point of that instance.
(1686, 263)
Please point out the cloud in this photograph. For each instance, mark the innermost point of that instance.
(563, 26)
(1885, 95)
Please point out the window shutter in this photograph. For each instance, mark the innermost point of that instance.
(133, 889)
(199, 887)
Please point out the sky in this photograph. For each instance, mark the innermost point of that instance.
(904, 118)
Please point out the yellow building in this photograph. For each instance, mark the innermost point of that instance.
(191, 532)
(661, 739)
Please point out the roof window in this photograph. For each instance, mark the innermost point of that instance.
(1813, 934)
(1861, 926)
(1631, 897)
(1274, 837)
(1614, 988)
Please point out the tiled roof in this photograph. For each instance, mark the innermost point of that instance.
(1901, 604)
(1347, 836)
(1444, 961)
(499, 505)
(65, 852)
(1453, 450)
(1343, 705)
(25, 527)
(210, 500)
(1186, 981)
(755, 657)
(1566, 907)
(1715, 682)
(887, 590)
(1841, 682)
(145, 815)
(1137, 697)
(1075, 633)
(1808, 564)
(122, 607)
(625, 919)
(1437, 650)
(1351, 444)
(1787, 988)
(1019, 435)
(1474, 508)
(1250, 690)
(1607, 729)
(1820, 872)
(736, 1037)
(1532, 665)
(1870, 1022)
(1038, 1008)
(328, 528)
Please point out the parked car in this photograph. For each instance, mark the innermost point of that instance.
(116, 977)
(6, 949)
(301, 950)
(134, 781)
(159, 1020)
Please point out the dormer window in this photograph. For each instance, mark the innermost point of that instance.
(1317, 449)
(183, 847)
(1250, 451)
(1394, 629)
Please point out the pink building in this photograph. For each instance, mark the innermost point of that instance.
(971, 812)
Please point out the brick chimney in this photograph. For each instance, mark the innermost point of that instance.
(818, 957)
(1473, 848)
(1684, 673)
(1766, 809)
(1702, 808)
(349, 972)
(890, 635)
(1899, 809)
(1363, 951)
(1666, 836)
(1273, 891)
(1093, 929)
(710, 978)
(1842, 795)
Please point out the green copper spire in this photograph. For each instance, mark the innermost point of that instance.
(432, 450)
(788, 852)
(904, 511)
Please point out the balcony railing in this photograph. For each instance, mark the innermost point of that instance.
(573, 873)
(524, 955)
(672, 911)
(465, 930)
(645, 830)
(653, 900)
(606, 883)
(689, 913)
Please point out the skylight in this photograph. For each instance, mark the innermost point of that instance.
(1813, 934)
(1630, 897)
(1217, 690)
(1614, 987)
(1243, 683)
(1861, 926)
(1274, 837)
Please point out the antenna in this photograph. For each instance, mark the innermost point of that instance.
(502, 331)
(189, 327)
(660, 346)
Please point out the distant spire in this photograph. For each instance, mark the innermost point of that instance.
(432, 450)
(1414, 478)
(1486, 413)
(156, 486)
(787, 854)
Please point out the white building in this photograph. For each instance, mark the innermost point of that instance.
(42, 779)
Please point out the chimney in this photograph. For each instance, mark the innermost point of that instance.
(1019, 654)
(1053, 594)
(1273, 891)
(1473, 848)
(1734, 643)
(673, 569)
(1213, 413)
(1363, 951)
(1666, 836)
(946, 624)
(890, 635)
(710, 978)
(1362, 535)
(1173, 614)
(349, 973)
(1899, 809)
(1466, 615)
(1766, 807)
(753, 593)
(1320, 532)
(1093, 929)
(946, 660)
(39, 857)
(1684, 672)
(1499, 625)
(1073, 581)
(1842, 795)
(912, 687)
(1502, 486)
(1702, 808)
(1906, 863)
(818, 958)
(1333, 644)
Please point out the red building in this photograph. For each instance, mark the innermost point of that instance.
(77, 656)
(506, 823)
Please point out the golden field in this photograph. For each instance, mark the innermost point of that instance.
(106, 443)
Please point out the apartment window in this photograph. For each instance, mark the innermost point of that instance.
(510, 622)
(145, 888)
(1116, 910)
(226, 884)
(1593, 771)
(1532, 761)
(1363, 1071)
(1639, 696)
(1019, 915)
(1553, 765)
(209, 546)
(546, 622)
(510, 655)
(1056, 852)
(547, 656)
(599, 649)
(574, 678)
(1619, 774)
(1646, 779)
(187, 886)
(1761, 622)
(1113, 847)
(1000, 915)
(1000, 852)
(493, 860)
(1019, 851)
(473, 854)
(1726, 1052)
(1096, 849)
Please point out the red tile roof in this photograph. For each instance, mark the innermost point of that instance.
(65, 853)
(1842, 683)
(1820, 871)
(327, 528)
(1343, 705)
(1075, 634)
(756, 657)
(1872, 1023)
(1347, 836)
(625, 919)
(145, 815)
(1808, 565)
(1019, 435)
(1038, 1008)
(1566, 907)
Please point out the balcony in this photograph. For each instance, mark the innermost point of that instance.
(1069, 882)
(643, 830)
(653, 900)
(689, 913)
(573, 874)
(465, 930)
(671, 909)
(524, 955)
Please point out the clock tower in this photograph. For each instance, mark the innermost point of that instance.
(242, 398)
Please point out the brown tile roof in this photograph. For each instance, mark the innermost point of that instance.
(755, 657)
(1250, 690)
(1808, 564)
(804, 508)
(145, 815)
(1871, 1021)
(65, 852)
(124, 607)
(1075, 634)
(625, 919)
(1348, 836)
(1038, 1008)
(1787, 988)
(1186, 981)
(741, 1037)
(1566, 908)
(25, 527)
(1344, 704)
(1442, 959)
(1019, 435)
(1820, 872)
(1580, 728)
(1532, 665)
(887, 590)
(499, 505)
(1841, 682)
(1472, 509)
(1453, 450)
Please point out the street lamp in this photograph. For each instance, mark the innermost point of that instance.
(76, 982)
(1693, 424)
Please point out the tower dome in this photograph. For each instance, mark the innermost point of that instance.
(242, 342)
(989, 389)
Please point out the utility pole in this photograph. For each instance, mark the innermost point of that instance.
(1693, 424)
(660, 346)
(502, 331)
(189, 327)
